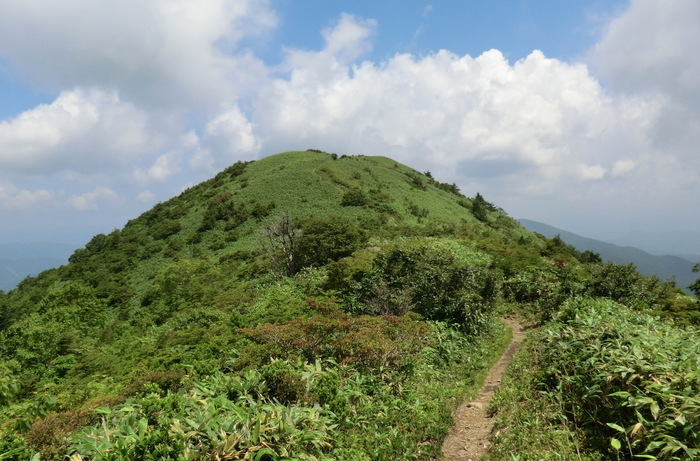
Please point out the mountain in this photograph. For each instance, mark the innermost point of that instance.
(302, 306)
(665, 267)
(683, 244)
(19, 260)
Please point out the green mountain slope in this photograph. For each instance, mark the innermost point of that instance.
(666, 267)
(302, 306)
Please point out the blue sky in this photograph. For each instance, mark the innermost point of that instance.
(561, 29)
(579, 114)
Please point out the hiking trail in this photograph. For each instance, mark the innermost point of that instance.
(469, 439)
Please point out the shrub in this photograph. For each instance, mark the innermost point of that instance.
(326, 240)
(368, 342)
(438, 279)
(283, 382)
(630, 380)
(354, 197)
(49, 435)
(163, 380)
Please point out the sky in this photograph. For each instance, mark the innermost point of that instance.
(582, 114)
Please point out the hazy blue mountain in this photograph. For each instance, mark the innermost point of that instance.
(666, 267)
(684, 244)
(18, 260)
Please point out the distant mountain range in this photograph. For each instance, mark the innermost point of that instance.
(18, 260)
(665, 267)
(685, 244)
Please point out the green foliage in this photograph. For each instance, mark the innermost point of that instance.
(49, 435)
(624, 284)
(9, 386)
(365, 341)
(558, 249)
(278, 302)
(326, 240)
(625, 376)
(221, 417)
(438, 279)
(333, 411)
(283, 382)
(480, 208)
(354, 197)
(416, 181)
(695, 286)
(280, 241)
(375, 320)
(530, 423)
(589, 256)
(180, 284)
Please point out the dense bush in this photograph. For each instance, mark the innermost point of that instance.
(624, 284)
(354, 197)
(325, 240)
(365, 341)
(221, 417)
(438, 279)
(630, 380)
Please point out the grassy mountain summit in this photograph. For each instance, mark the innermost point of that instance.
(304, 306)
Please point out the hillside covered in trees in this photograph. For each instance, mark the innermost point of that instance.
(322, 307)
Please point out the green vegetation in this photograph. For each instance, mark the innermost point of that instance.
(316, 306)
(607, 381)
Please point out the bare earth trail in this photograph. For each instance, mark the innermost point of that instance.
(468, 439)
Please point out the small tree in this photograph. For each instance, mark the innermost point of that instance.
(695, 286)
(354, 197)
(280, 239)
(591, 257)
(479, 208)
(326, 240)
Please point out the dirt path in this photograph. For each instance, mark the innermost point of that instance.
(469, 438)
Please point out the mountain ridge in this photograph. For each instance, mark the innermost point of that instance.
(305, 304)
(663, 266)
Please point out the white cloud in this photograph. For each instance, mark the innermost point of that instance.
(622, 168)
(164, 52)
(162, 89)
(146, 196)
(83, 131)
(344, 43)
(651, 50)
(230, 136)
(349, 38)
(591, 172)
(14, 198)
(95, 200)
(164, 167)
(533, 122)
(652, 46)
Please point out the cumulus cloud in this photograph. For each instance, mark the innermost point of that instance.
(228, 137)
(14, 198)
(161, 170)
(82, 131)
(95, 200)
(146, 196)
(158, 51)
(345, 42)
(533, 122)
(591, 172)
(165, 89)
(651, 50)
(652, 47)
(622, 168)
